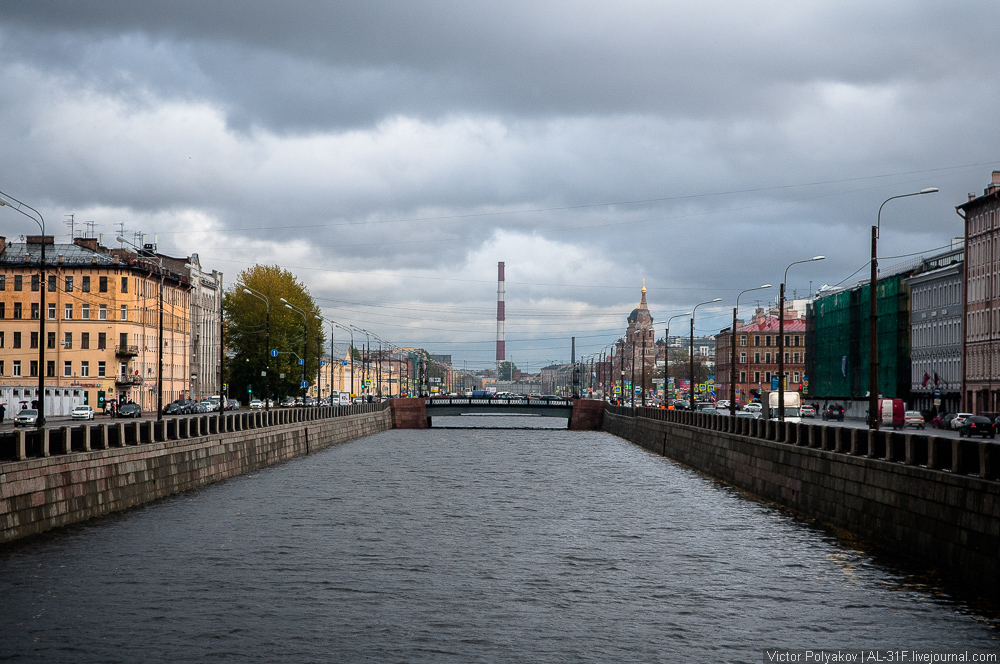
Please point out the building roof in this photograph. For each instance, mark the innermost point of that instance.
(770, 324)
(641, 313)
(72, 254)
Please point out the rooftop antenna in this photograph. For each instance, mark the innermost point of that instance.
(69, 222)
(121, 232)
(90, 228)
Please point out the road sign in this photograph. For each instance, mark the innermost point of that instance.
(301, 361)
(618, 389)
(774, 382)
(322, 363)
(225, 387)
(274, 353)
(304, 384)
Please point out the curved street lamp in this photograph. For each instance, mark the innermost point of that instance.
(18, 206)
(691, 350)
(159, 349)
(873, 418)
(732, 363)
(305, 339)
(781, 338)
(267, 343)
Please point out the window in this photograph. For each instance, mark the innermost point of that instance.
(3, 282)
(85, 340)
(84, 369)
(743, 340)
(796, 340)
(756, 358)
(756, 376)
(123, 339)
(767, 376)
(33, 368)
(767, 358)
(52, 283)
(788, 340)
(85, 311)
(34, 340)
(767, 340)
(102, 341)
(18, 285)
(34, 311)
(743, 376)
(68, 340)
(795, 377)
(3, 309)
(67, 369)
(17, 341)
(102, 284)
(50, 368)
(68, 313)
(786, 357)
(35, 280)
(124, 284)
(1, 338)
(1, 367)
(756, 340)
(51, 306)
(796, 358)
(102, 369)
(102, 312)
(50, 340)
(124, 312)
(16, 368)
(743, 358)
(85, 286)
(69, 284)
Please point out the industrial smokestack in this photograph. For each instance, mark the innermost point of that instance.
(501, 316)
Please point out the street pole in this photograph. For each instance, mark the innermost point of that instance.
(643, 379)
(781, 337)
(267, 343)
(732, 375)
(691, 348)
(873, 414)
(666, 353)
(305, 339)
(17, 206)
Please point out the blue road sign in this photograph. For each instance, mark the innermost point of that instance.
(301, 361)
(274, 353)
(322, 363)
(304, 384)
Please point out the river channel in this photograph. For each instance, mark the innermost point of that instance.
(462, 545)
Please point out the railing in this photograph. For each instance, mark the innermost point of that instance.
(497, 401)
(126, 350)
(128, 380)
(961, 456)
(24, 444)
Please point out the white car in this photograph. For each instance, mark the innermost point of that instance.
(753, 408)
(960, 420)
(82, 413)
(256, 404)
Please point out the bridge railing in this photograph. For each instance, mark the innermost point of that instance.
(22, 444)
(496, 401)
(962, 456)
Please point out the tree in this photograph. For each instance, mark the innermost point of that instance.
(247, 331)
(508, 371)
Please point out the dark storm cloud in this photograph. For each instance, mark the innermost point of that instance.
(401, 149)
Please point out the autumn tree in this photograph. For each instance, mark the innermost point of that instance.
(247, 331)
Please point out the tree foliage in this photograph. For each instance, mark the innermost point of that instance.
(247, 331)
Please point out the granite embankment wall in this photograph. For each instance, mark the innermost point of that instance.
(64, 475)
(931, 499)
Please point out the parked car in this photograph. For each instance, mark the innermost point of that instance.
(130, 410)
(82, 413)
(753, 407)
(26, 418)
(807, 411)
(959, 420)
(914, 419)
(974, 425)
(943, 421)
(173, 408)
(834, 411)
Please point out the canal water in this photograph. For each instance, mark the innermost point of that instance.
(461, 545)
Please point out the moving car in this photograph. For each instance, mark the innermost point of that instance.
(287, 402)
(753, 407)
(975, 425)
(943, 421)
(26, 418)
(256, 404)
(834, 412)
(130, 410)
(808, 411)
(82, 413)
(914, 419)
(749, 414)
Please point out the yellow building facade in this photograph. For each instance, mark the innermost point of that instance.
(101, 326)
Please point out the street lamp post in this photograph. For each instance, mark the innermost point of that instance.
(159, 349)
(267, 343)
(781, 337)
(873, 418)
(691, 348)
(305, 339)
(732, 372)
(18, 206)
(666, 353)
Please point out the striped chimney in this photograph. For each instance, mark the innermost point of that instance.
(500, 314)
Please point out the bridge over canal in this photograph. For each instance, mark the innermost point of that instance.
(581, 414)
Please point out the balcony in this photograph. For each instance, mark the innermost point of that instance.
(128, 380)
(126, 351)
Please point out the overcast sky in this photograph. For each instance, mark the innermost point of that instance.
(390, 153)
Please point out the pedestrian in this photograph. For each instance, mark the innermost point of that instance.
(3, 412)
